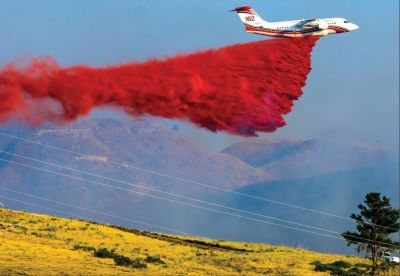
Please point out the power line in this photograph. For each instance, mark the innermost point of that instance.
(46, 208)
(192, 181)
(168, 199)
(170, 194)
(195, 206)
(140, 222)
(84, 209)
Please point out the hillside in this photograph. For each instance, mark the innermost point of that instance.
(32, 244)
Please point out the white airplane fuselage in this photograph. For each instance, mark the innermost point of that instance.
(294, 28)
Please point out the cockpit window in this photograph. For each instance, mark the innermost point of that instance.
(346, 21)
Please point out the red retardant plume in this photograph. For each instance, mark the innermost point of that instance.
(240, 89)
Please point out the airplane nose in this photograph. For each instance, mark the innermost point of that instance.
(354, 27)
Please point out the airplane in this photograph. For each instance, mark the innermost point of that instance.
(294, 28)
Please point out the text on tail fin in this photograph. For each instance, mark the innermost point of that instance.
(249, 16)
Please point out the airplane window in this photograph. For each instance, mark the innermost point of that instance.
(346, 21)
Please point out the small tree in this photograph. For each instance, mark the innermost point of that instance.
(375, 223)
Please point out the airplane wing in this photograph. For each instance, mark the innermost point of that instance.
(307, 24)
(311, 24)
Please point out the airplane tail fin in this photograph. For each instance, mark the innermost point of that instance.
(249, 17)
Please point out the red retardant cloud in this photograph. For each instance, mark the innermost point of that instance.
(240, 89)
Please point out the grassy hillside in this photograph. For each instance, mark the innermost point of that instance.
(32, 244)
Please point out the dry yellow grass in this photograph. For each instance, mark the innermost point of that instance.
(32, 244)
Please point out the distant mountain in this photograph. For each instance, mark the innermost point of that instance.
(322, 175)
(144, 144)
(337, 193)
(294, 159)
(261, 152)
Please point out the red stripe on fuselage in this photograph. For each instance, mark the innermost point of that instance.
(338, 29)
(276, 32)
(255, 29)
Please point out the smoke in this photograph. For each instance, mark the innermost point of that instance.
(241, 89)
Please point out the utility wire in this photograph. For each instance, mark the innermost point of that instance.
(163, 198)
(84, 209)
(47, 208)
(125, 165)
(170, 194)
(195, 206)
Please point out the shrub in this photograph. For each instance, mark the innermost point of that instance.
(122, 260)
(40, 235)
(51, 228)
(341, 264)
(125, 261)
(51, 236)
(341, 268)
(104, 253)
(154, 260)
(23, 229)
(118, 259)
(138, 264)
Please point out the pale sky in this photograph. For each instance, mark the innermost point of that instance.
(352, 92)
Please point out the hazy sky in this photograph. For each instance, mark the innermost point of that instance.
(351, 93)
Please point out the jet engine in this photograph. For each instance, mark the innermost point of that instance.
(324, 32)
